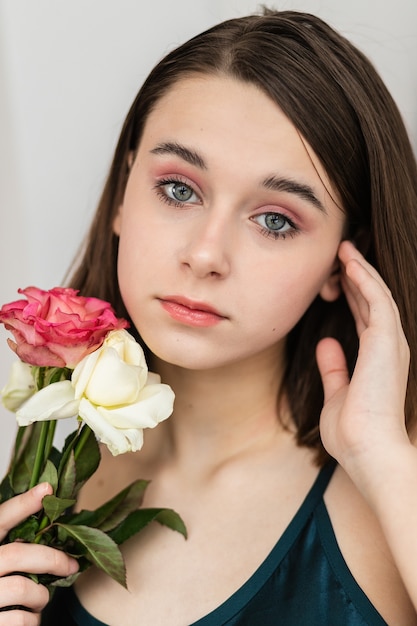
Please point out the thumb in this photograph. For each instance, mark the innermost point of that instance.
(17, 509)
(332, 366)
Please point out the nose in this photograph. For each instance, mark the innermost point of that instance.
(207, 252)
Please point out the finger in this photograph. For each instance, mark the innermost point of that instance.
(369, 298)
(22, 591)
(331, 362)
(19, 618)
(357, 304)
(15, 510)
(35, 559)
(382, 309)
(348, 252)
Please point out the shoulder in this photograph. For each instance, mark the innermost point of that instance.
(365, 550)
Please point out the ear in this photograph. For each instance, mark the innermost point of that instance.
(331, 289)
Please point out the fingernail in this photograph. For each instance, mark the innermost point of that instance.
(42, 489)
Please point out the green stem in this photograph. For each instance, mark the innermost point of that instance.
(44, 524)
(50, 438)
(82, 440)
(40, 455)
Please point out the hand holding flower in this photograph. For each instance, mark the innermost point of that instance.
(110, 391)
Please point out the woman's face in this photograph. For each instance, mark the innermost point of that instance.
(228, 227)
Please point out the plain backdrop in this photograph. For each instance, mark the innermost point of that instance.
(68, 72)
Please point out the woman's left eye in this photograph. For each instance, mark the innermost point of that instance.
(276, 225)
(176, 192)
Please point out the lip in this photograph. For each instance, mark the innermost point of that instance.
(191, 312)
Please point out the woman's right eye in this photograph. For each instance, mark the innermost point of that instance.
(176, 192)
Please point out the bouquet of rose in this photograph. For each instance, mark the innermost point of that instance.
(78, 361)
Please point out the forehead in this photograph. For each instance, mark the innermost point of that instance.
(226, 119)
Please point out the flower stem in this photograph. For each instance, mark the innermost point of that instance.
(82, 440)
(43, 524)
(40, 452)
(50, 438)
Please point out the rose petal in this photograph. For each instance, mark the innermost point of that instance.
(155, 404)
(58, 327)
(55, 401)
(153, 379)
(118, 441)
(20, 386)
(82, 372)
(114, 382)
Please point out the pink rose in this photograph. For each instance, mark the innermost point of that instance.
(57, 328)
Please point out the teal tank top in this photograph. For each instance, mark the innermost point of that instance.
(304, 581)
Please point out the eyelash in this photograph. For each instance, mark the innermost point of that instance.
(278, 234)
(159, 188)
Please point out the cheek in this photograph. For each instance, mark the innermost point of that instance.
(288, 291)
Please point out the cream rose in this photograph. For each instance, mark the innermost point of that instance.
(118, 398)
(111, 390)
(19, 387)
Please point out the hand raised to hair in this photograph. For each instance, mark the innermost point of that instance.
(364, 417)
(18, 590)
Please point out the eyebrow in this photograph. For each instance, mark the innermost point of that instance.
(190, 156)
(274, 183)
(305, 192)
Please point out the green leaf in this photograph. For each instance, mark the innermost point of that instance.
(20, 436)
(49, 475)
(55, 456)
(66, 582)
(56, 374)
(26, 530)
(69, 444)
(130, 500)
(66, 487)
(137, 520)
(54, 506)
(23, 465)
(6, 491)
(87, 458)
(100, 549)
(110, 514)
(171, 519)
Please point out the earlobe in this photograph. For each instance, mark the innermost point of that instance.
(332, 289)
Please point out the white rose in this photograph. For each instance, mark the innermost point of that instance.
(19, 387)
(53, 402)
(118, 398)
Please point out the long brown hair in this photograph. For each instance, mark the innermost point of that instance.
(335, 98)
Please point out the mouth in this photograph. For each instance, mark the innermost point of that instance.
(191, 312)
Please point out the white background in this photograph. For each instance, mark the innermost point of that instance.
(68, 73)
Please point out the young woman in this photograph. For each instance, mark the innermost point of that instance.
(258, 228)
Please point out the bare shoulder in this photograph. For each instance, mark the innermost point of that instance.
(366, 552)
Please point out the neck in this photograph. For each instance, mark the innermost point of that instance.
(221, 413)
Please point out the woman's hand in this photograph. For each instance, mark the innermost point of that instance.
(363, 419)
(362, 423)
(17, 557)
